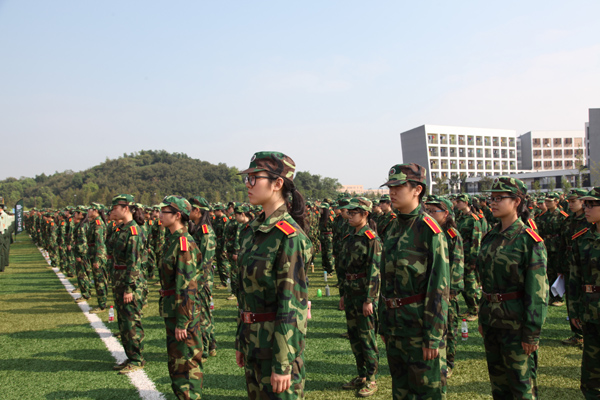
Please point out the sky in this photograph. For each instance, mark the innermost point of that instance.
(330, 83)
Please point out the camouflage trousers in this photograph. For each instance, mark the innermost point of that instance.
(70, 263)
(207, 326)
(222, 264)
(235, 280)
(185, 360)
(327, 252)
(362, 332)
(452, 332)
(590, 361)
(84, 272)
(101, 283)
(412, 377)
(471, 293)
(129, 318)
(151, 264)
(554, 268)
(258, 380)
(61, 258)
(513, 374)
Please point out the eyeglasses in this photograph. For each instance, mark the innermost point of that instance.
(498, 199)
(352, 213)
(251, 179)
(590, 205)
(167, 212)
(430, 211)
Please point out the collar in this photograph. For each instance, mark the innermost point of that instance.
(411, 215)
(511, 231)
(263, 224)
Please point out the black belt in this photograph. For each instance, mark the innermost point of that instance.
(249, 317)
(500, 297)
(397, 303)
(165, 293)
(353, 277)
(590, 288)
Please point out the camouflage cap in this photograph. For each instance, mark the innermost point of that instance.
(576, 193)
(241, 208)
(593, 194)
(96, 206)
(540, 199)
(123, 200)
(272, 161)
(552, 196)
(375, 203)
(508, 184)
(359, 202)
(81, 209)
(463, 197)
(324, 205)
(385, 197)
(401, 173)
(178, 203)
(440, 201)
(218, 206)
(343, 202)
(200, 203)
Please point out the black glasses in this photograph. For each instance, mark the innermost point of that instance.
(498, 199)
(167, 212)
(251, 179)
(590, 205)
(434, 211)
(352, 213)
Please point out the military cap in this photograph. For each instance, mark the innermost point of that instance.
(199, 202)
(359, 202)
(401, 173)
(552, 196)
(443, 202)
(508, 184)
(272, 161)
(593, 194)
(540, 199)
(385, 197)
(324, 205)
(95, 206)
(375, 202)
(123, 200)
(576, 193)
(178, 203)
(342, 203)
(463, 197)
(218, 206)
(241, 208)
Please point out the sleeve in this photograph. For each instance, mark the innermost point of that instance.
(186, 286)
(134, 263)
(535, 301)
(236, 238)
(458, 265)
(100, 253)
(373, 270)
(341, 264)
(575, 282)
(435, 315)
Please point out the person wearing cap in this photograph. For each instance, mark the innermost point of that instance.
(200, 227)
(550, 227)
(127, 280)
(574, 225)
(219, 222)
(470, 231)
(272, 261)
(179, 303)
(157, 236)
(415, 290)
(97, 254)
(242, 218)
(326, 237)
(514, 303)
(360, 267)
(80, 252)
(4, 226)
(387, 216)
(440, 209)
(584, 286)
(340, 230)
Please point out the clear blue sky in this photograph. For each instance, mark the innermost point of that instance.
(331, 83)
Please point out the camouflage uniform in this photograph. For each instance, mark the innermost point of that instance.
(512, 266)
(97, 257)
(584, 288)
(326, 237)
(83, 267)
(220, 253)
(361, 258)
(470, 231)
(415, 292)
(384, 222)
(180, 306)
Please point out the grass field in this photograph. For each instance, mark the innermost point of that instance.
(49, 350)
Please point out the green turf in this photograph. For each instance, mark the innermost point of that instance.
(49, 351)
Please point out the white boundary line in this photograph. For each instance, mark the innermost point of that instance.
(139, 379)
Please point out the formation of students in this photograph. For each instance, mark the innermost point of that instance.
(400, 262)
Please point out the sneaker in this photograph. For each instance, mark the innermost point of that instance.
(97, 310)
(574, 340)
(472, 317)
(75, 290)
(449, 372)
(355, 383)
(81, 300)
(213, 353)
(130, 368)
(231, 297)
(119, 367)
(557, 303)
(367, 390)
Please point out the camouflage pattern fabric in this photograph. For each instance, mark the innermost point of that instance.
(97, 257)
(326, 239)
(272, 262)
(470, 231)
(83, 267)
(457, 268)
(384, 222)
(220, 252)
(550, 230)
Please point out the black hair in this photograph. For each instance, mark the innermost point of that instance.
(522, 209)
(137, 214)
(102, 215)
(293, 200)
(414, 185)
(205, 218)
(449, 223)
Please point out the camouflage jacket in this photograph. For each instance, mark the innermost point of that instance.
(96, 241)
(384, 222)
(231, 237)
(205, 239)
(81, 245)
(470, 231)
(127, 252)
(514, 261)
(457, 261)
(361, 254)
(415, 262)
(272, 266)
(341, 228)
(326, 226)
(572, 226)
(178, 275)
(550, 228)
(585, 270)
(218, 224)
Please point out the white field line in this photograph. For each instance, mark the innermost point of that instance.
(139, 379)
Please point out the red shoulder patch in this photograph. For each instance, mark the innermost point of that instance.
(183, 243)
(134, 230)
(159, 223)
(150, 222)
(331, 218)
(224, 219)
(285, 227)
(370, 234)
(581, 232)
(98, 222)
(452, 233)
(566, 215)
(393, 215)
(205, 229)
(475, 216)
(432, 224)
(534, 235)
(62, 223)
(532, 224)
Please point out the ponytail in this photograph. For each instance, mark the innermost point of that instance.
(523, 210)
(371, 222)
(138, 215)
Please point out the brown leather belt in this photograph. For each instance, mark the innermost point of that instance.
(327, 233)
(249, 317)
(109, 257)
(165, 293)
(91, 244)
(120, 267)
(590, 288)
(353, 277)
(397, 303)
(500, 297)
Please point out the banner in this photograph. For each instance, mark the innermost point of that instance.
(19, 217)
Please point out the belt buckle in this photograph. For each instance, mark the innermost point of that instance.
(248, 317)
(353, 277)
(589, 288)
(495, 298)
(161, 293)
(398, 302)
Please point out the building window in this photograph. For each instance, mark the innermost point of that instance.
(511, 154)
(443, 139)
(452, 164)
(511, 142)
(487, 141)
(546, 142)
(434, 164)
(433, 151)
(461, 152)
(488, 165)
(503, 153)
(536, 142)
(557, 141)
(547, 164)
(471, 164)
(461, 140)
(479, 141)
(569, 164)
(547, 153)
(444, 164)
(453, 151)
(471, 152)
(568, 141)
(432, 138)
(470, 140)
(488, 153)
(444, 151)
(479, 153)
(578, 142)
(569, 153)
(513, 166)
(434, 175)
(496, 153)
(558, 153)
(452, 139)
(537, 164)
(578, 152)
(479, 164)
(537, 154)
(504, 166)
(558, 164)
(496, 164)
(495, 141)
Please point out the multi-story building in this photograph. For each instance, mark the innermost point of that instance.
(592, 135)
(360, 190)
(448, 151)
(551, 150)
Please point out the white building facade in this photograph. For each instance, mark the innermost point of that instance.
(551, 150)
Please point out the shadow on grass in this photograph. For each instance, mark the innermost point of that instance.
(82, 355)
(42, 335)
(46, 365)
(98, 394)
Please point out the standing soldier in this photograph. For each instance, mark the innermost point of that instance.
(97, 254)
(326, 237)
(273, 298)
(219, 223)
(415, 290)
(512, 266)
(81, 251)
(387, 216)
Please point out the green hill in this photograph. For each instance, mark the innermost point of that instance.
(149, 175)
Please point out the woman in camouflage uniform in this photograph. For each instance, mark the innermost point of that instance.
(512, 267)
(272, 262)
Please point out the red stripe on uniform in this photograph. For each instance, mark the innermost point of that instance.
(432, 224)
(205, 229)
(285, 227)
(370, 234)
(183, 243)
